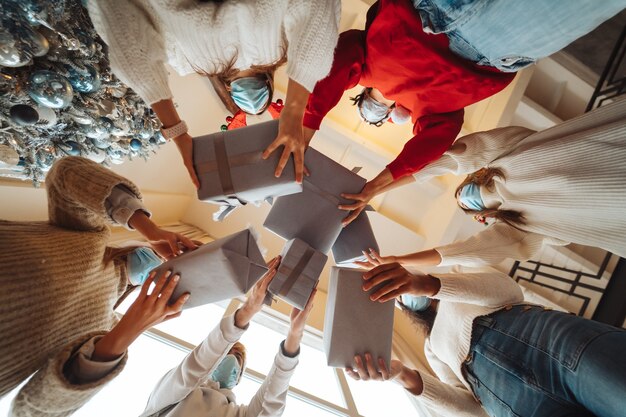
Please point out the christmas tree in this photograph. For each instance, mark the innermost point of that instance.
(58, 96)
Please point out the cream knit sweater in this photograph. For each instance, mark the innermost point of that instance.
(463, 297)
(55, 288)
(568, 181)
(143, 35)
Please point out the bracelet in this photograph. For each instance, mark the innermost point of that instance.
(178, 129)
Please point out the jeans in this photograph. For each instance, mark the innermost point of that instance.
(527, 361)
(512, 34)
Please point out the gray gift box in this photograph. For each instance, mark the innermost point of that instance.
(298, 273)
(230, 167)
(219, 270)
(312, 215)
(354, 324)
(355, 238)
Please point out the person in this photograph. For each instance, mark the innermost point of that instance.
(495, 355)
(409, 72)
(201, 385)
(241, 43)
(59, 280)
(561, 185)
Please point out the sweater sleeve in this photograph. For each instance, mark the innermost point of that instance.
(136, 47)
(344, 74)
(51, 392)
(311, 27)
(488, 289)
(493, 245)
(271, 396)
(446, 395)
(77, 192)
(475, 151)
(434, 135)
(195, 368)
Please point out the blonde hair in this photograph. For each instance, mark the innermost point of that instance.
(485, 177)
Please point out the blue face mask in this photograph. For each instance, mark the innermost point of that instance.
(470, 197)
(373, 111)
(139, 264)
(250, 94)
(227, 372)
(414, 303)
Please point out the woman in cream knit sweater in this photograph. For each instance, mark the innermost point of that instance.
(493, 354)
(59, 282)
(564, 184)
(239, 41)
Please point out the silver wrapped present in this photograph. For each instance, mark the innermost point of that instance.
(298, 273)
(355, 238)
(312, 215)
(219, 270)
(353, 323)
(231, 170)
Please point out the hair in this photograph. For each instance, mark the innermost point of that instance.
(485, 177)
(358, 101)
(423, 320)
(221, 79)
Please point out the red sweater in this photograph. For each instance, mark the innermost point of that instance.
(415, 69)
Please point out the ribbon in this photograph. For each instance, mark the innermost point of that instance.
(296, 272)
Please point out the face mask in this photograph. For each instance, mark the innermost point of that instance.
(373, 111)
(227, 372)
(139, 264)
(250, 94)
(470, 197)
(414, 303)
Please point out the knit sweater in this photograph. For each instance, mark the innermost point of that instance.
(569, 183)
(415, 69)
(55, 287)
(143, 35)
(463, 297)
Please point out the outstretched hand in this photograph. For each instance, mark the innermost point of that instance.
(373, 259)
(169, 244)
(394, 280)
(296, 328)
(254, 302)
(365, 370)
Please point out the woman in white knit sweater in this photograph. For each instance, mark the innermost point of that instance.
(493, 354)
(241, 42)
(561, 185)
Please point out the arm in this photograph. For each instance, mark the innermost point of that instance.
(77, 192)
(489, 289)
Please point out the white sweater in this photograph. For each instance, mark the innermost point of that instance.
(188, 391)
(143, 35)
(568, 181)
(463, 297)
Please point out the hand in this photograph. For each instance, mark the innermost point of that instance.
(146, 311)
(361, 200)
(394, 281)
(254, 302)
(291, 137)
(184, 143)
(296, 327)
(366, 370)
(168, 244)
(373, 259)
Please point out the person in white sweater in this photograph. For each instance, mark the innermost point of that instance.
(561, 185)
(201, 385)
(239, 41)
(495, 355)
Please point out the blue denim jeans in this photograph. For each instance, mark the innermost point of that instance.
(512, 34)
(528, 361)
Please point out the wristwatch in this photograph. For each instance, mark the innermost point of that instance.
(172, 132)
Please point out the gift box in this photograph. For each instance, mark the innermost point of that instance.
(312, 215)
(355, 238)
(218, 270)
(231, 169)
(298, 273)
(353, 323)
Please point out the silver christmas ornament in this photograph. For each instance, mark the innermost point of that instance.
(23, 114)
(13, 55)
(86, 81)
(47, 117)
(38, 43)
(50, 89)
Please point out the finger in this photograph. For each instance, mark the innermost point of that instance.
(356, 197)
(298, 159)
(371, 259)
(272, 147)
(172, 241)
(265, 282)
(309, 304)
(306, 171)
(190, 244)
(168, 290)
(273, 264)
(360, 368)
(380, 268)
(387, 291)
(394, 294)
(350, 217)
(351, 373)
(383, 368)
(391, 275)
(146, 285)
(376, 256)
(363, 264)
(371, 367)
(177, 306)
(173, 316)
(160, 282)
(284, 158)
(354, 206)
